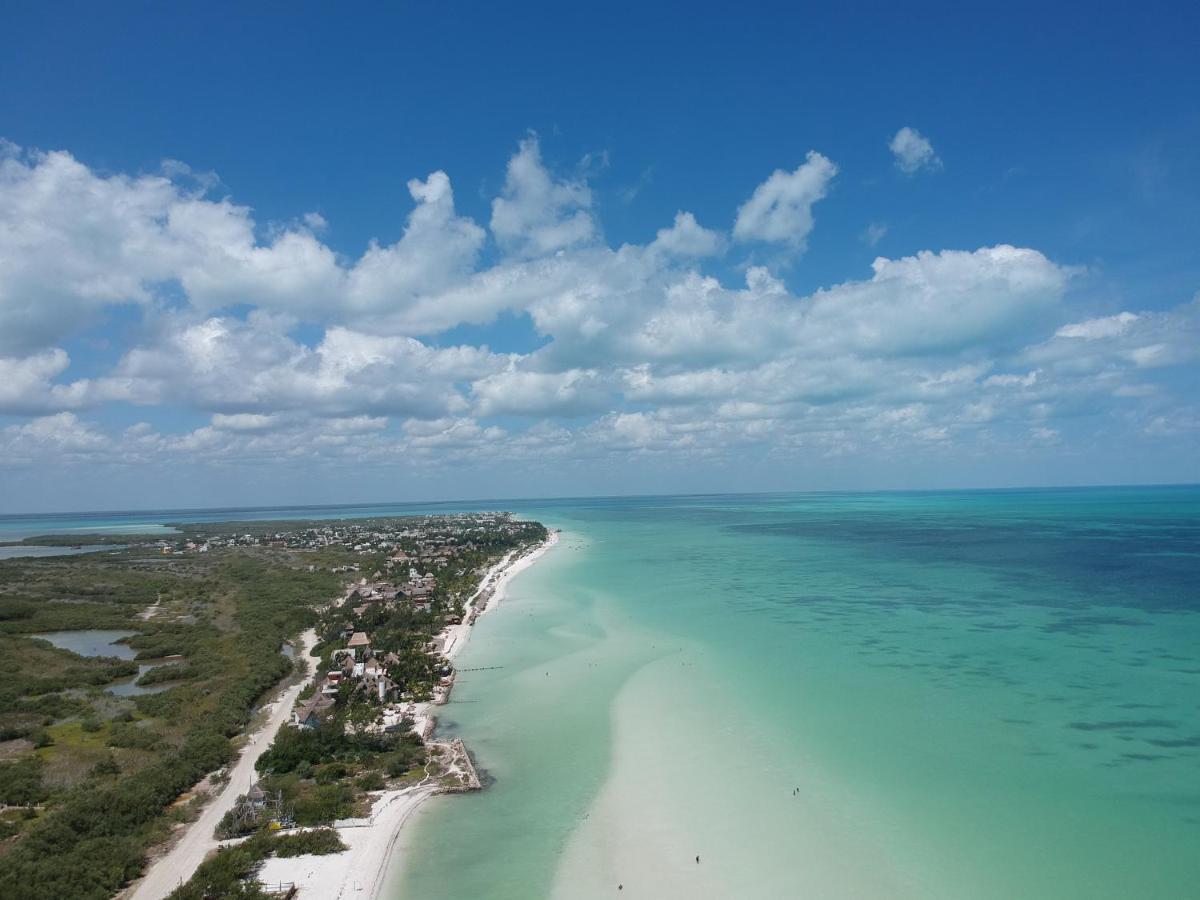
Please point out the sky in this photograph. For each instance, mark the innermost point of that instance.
(314, 253)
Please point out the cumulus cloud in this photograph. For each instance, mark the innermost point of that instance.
(913, 151)
(438, 249)
(780, 209)
(61, 437)
(537, 214)
(247, 369)
(73, 242)
(531, 393)
(686, 238)
(294, 353)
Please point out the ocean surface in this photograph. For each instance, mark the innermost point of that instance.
(987, 694)
(979, 694)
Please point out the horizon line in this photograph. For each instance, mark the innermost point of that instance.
(566, 497)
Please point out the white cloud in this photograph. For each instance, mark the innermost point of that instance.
(245, 422)
(1111, 343)
(537, 214)
(247, 370)
(438, 250)
(25, 382)
(644, 353)
(780, 209)
(73, 242)
(938, 302)
(62, 437)
(1029, 379)
(686, 238)
(875, 232)
(28, 386)
(913, 152)
(1093, 329)
(530, 393)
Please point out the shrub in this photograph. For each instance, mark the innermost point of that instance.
(331, 773)
(372, 781)
(21, 782)
(319, 842)
(106, 766)
(132, 737)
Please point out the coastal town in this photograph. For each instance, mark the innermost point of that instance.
(328, 769)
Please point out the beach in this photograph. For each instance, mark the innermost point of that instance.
(361, 871)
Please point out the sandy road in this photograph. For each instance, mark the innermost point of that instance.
(169, 871)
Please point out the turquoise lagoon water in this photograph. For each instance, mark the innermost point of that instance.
(954, 694)
(985, 694)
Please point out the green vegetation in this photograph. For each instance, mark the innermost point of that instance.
(89, 777)
(104, 769)
(225, 874)
(21, 782)
(318, 842)
(326, 743)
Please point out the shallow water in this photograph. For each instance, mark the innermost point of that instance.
(988, 694)
(34, 550)
(102, 642)
(92, 642)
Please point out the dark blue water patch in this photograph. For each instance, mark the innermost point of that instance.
(1090, 624)
(1175, 743)
(1128, 561)
(1123, 724)
(1145, 757)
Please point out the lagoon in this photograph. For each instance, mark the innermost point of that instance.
(104, 642)
(92, 642)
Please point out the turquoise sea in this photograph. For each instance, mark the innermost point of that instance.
(960, 695)
(987, 694)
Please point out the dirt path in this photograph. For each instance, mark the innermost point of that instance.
(169, 871)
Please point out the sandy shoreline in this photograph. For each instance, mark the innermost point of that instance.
(361, 870)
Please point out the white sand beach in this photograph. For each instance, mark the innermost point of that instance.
(358, 871)
(491, 592)
(361, 870)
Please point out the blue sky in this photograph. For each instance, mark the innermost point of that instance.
(305, 254)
